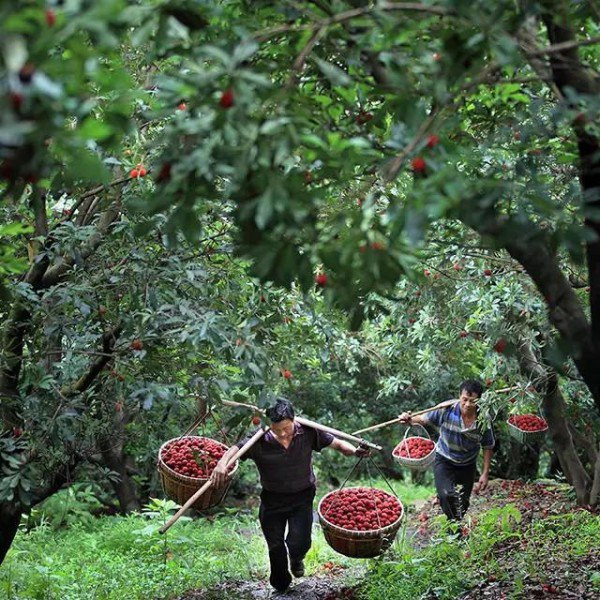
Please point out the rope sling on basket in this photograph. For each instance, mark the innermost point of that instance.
(360, 522)
(415, 452)
(186, 463)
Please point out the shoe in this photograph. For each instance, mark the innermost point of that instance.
(297, 568)
(280, 586)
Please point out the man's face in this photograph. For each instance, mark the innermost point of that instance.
(468, 401)
(284, 430)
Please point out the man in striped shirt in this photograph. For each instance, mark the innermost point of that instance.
(460, 439)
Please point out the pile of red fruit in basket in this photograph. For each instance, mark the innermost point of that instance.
(193, 456)
(528, 422)
(361, 509)
(414, 447)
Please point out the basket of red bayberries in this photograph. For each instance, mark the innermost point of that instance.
(360, 522)
(527, 428)
(184, 466)
(415, 452)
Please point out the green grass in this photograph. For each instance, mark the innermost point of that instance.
(122, 558)
(448, 568)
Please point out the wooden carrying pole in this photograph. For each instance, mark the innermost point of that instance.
(314, 425)
(209, 483)
(426, 410)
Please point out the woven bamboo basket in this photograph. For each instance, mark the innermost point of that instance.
(415, 464)
(526, 437)
(180, 488)
(359, 544)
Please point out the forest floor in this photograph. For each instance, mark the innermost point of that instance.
(558, 577)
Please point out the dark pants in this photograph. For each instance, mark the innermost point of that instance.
(276, 512)
(454, 484)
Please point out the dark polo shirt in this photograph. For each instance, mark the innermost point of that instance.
(287, 471)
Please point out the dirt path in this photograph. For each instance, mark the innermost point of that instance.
(318, 587)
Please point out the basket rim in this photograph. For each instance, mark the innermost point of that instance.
(414, 461)
(524, 431)
(361, 532)
(162, 465)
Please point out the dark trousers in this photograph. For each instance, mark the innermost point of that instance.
(278, 511)
(454, 484)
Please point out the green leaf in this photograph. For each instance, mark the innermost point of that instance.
(336, 75)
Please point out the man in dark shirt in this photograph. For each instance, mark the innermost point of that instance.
(284, 460)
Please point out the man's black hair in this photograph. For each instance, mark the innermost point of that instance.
(281, 410)
(471, 386)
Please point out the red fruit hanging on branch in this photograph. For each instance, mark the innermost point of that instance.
(137, 345)
(193, 456)
(227, 99)
(418, 164)
(360, 509)
(528, 422)
(414, 447)
(321, 279)
(432, 141)
(256, 420)
(500, 346)
(286, 374)
(50, 18)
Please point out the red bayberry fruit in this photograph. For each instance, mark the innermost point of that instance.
(487, 272)
(137, 345)
(50, 18)
(181, 106)
(134, 173)
(142, 172)
(517, 135)
(363, 117)
(17, 432)
(500, 345)
(432, 141)
(321, 279)
(437, 56)
(286, 374)
(427, 272)
(256, 420)
(377, 246)
(457, 267)
(418, 164)
(227, 99)
(463, 334)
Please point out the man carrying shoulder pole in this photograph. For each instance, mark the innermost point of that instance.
(284, 461)
(460, 439)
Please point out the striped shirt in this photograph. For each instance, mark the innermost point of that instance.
(457, 443)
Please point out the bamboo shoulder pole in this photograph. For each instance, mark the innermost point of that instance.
(415, 414)
(314, 425)
(426, 410)
(209, 483)
(337, 433)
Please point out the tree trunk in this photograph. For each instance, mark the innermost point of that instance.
(116, 460)
(555, 412)
(10, 517)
